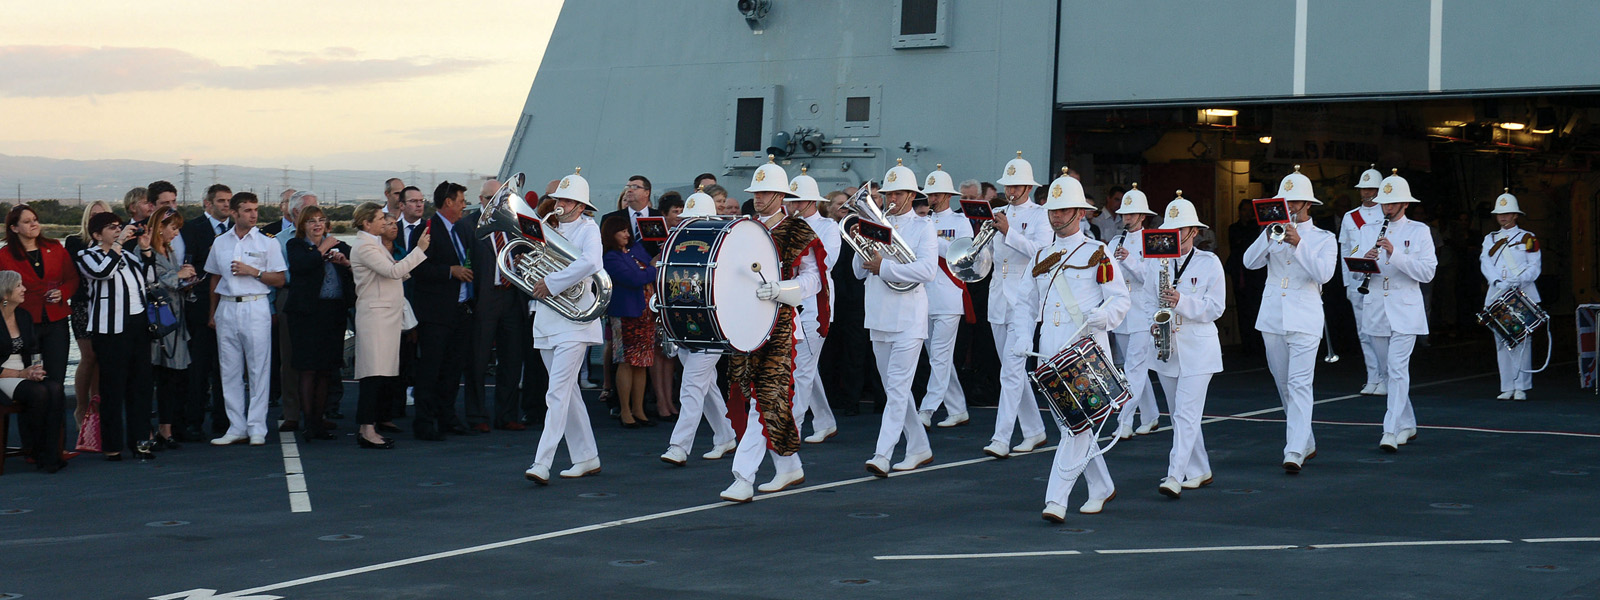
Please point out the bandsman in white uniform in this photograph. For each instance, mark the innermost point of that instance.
(698, 392)
(948, 303)
(1023, 228)
(1349, 245)
(1511, 259)
(1391, 311)
(1291, 317)
(564, 344)
(1075, 291)
(1198, 297)
(816, 314)
(897, 322)
(245, 265)
(1132, 335)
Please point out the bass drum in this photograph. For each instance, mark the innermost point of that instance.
(706, 284)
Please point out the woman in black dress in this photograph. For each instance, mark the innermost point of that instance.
(22, 378)
(321, 292)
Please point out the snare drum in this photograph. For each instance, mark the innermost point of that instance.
(706, 287)
(1513, 316)
(1081, 386)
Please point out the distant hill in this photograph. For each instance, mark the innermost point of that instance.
(52, 178)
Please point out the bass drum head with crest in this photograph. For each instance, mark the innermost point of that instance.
(707, 289)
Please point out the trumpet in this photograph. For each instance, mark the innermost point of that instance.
(862, 207)
(1276, 231)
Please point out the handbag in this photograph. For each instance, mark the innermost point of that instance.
(408, 319)
(158, 307)
(89, 432)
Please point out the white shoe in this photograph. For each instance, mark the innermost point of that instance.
(783, 481)
(411, 399)
(740, 491)
(1125, 431)
(1503, 396)
(538, 473)
(1148, 427)
(1387, 444)
(1381, 389)
(675, 456)
(588, 467)
(1366, 390)
(1405, 435)
(878, 466)
(259, 439)
(913, 461)
(1170, 488)
(721, 450)
(954, 420)
(822, 436)
(1029, 444)
(1094, 506)
(926, 416)
(229, 440)
(1054, 513)
(1519, 396)
(1292, 462)
(997, 449)
(1198, 482)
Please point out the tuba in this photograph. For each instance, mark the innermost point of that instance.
(525, 260)
(1164, 323)
(863, 207)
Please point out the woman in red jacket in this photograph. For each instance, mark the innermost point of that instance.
(50, 277)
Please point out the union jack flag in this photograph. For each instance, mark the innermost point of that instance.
(1586, 345)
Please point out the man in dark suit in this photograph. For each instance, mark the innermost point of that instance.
(284, 219)
(409, 223)
(501, 326)
(636, 196)
(205, 370)
(443, 300)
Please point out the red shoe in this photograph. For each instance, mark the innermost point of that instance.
(481, 428)
(514, 426)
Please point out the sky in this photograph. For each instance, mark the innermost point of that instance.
(332, 84)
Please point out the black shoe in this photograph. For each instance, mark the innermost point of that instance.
(428, 434)
(388, 428)
(289, 426)
(321, 435)
(630, 424)
(114, 457)
(142, 451)
(53, 467)
(166, 443)
(459, 429)
(334, 414)
(647, 422)
(387, 444)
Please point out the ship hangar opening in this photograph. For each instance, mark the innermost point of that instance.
(1458, 154)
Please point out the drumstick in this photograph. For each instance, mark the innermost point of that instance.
(757, 268)
(1074, 338)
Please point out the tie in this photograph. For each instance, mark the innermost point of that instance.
(405, 241)
(461, 257)
(222, 228)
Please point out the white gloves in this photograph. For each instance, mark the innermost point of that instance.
(767, 291)
(787, 292)
(1097, 320)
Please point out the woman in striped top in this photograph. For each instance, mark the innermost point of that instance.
(120, 330)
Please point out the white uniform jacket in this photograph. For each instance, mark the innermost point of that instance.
(1202, 290)
(1292, 300)
(944, 298)
(1141, 303)
(1030, 231)
(549, 327)
(1350, 235)
(1514, 263)
(904, 314)
(1394, 303)
(827, 233)
(1101, 305)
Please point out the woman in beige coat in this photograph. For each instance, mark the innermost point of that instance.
(381, 314)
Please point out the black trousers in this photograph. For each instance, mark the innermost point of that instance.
(444, 348)
(205, 371)
(55, 339)
(125, 387)
(500, 328)
(374, 398)
(535, 382)
(172, 390)
(43, 404)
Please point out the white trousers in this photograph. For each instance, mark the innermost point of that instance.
(700, 397)
(244, 344)
(808, 393)
(1017, 403)
(747, 459)
(897, 364)
(1292, 358)
(944, 387)
(1370, 356)
(1186, 397)
(565, 416)
(1065, 470)
(1514, 365)
(1136, 350)
(1396, 350)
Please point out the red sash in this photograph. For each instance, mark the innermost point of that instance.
(968, 315)
(824, 314)
(1355, 217)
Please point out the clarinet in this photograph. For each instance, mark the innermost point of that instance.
(1381, 231)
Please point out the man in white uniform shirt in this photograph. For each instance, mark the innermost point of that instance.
(1511, 259)
(816, 314)
(1022, 228)
(698, 392)
(897, 322)
(1349, 245)
(1074, 291)
(563, 343)
(245, 265)
(1391, 311)
(948, 303)
(1291, 317)
(1133, 348)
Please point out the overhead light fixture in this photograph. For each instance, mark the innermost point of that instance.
(1544, 121)
(1220, 112)
(1452, 123)
(1265, 139)
(1513, 126)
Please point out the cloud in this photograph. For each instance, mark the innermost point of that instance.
(68, 71)
(452, 133)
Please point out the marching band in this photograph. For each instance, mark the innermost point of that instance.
(1147, 297)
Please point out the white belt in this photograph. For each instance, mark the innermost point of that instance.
(250, 298)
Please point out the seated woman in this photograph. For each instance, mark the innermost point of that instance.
(22, 379)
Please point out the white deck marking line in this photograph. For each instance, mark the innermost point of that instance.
(1026, 554)
(671, 513)
(294, 474)
(1561, 540)
(1435, 427)
(1194, 549)
(985, 555)
(1416, 543)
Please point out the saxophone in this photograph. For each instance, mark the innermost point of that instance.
(1165, 322)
